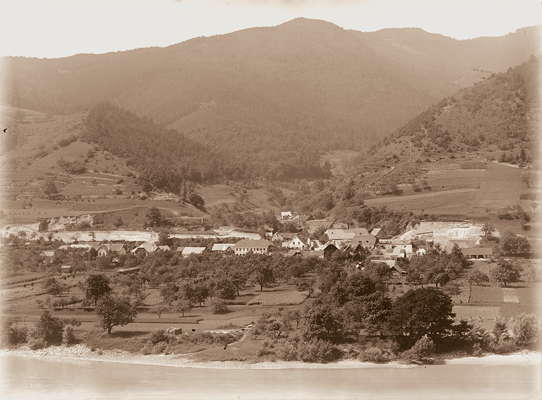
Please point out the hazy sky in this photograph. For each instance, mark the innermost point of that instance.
(56, 28)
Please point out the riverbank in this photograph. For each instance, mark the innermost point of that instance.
(83, 353)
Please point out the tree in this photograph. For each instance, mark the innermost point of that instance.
(97, 286)
(487, 230)
(422, 349)
(163, 238)
(182, 305)
(50, 189)
(263, 275)
(225, 289)
(322, 322)
(50, 328)
(422, 311)
(476, 277)
(53, 287)
(115, 312)
(154, 217)
(525, 329)
(515, 245)
(196, 200)
(505, 273)
(119, 222)
(169, 293)
(43, 225)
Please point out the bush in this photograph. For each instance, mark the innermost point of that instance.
(220, 308)
(288, 352)
(422, 349)
(14, 335)
(318, 351)
(374, 354)
(49, 328)
(159, 336)
(35, 341)
(525, 330)
(68, 335)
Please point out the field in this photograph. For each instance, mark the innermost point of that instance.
(457, 191)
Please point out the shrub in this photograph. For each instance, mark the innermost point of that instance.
(374, 354)
(422, 349)
(49, 328)
(158, 336)
(318, 351)
(68, 335)
(15, 335)
(525, 330)
(35, 341)
(288, 352)
(220, 308)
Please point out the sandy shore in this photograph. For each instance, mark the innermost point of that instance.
(83, 353)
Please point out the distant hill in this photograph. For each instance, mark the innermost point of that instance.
(272, 100)
(494, 118)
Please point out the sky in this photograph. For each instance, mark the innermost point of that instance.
(58, 28)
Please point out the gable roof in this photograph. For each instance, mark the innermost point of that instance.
(252, 244)
(192, 250)
(222, 246)
(477, 251)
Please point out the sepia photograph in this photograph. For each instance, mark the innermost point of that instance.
(270, 199)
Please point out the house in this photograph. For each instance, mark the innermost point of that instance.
(286, 215)
(329, 250)
(367, 241)
(252, 246)
(478, 253)
(188, 251)
(163, 248)
(222, 247)
(294, 243)
(375, 231)
(145, 249)
(66, 269)
(421, 252)
(314, 244)
(108, 248)
(341, 237)
(48, 253)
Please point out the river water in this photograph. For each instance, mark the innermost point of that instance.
(34, 378)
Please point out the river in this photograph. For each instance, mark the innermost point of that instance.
(34, 378)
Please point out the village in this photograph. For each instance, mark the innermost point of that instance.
(312, 238)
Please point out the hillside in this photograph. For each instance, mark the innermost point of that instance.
(274, 98)
(494, 119)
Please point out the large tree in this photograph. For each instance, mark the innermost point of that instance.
(476, 277)
(515, 245)
(115, 312)
(506, 273)
(422, 311)
(96, 286)
(322, 321)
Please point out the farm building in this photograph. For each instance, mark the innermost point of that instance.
(294, 243)
(111, 248)
(66, 269)
(222, 247)
(144, 248)
(48, 253)
(252, 246)
(367, 241)
(478, 253)
(188, 251)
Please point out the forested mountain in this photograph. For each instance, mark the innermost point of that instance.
(167, 160)
(496, 117)
(272, 99)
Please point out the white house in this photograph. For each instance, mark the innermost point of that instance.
(294, 243)
(285, 215)
(252, 246)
